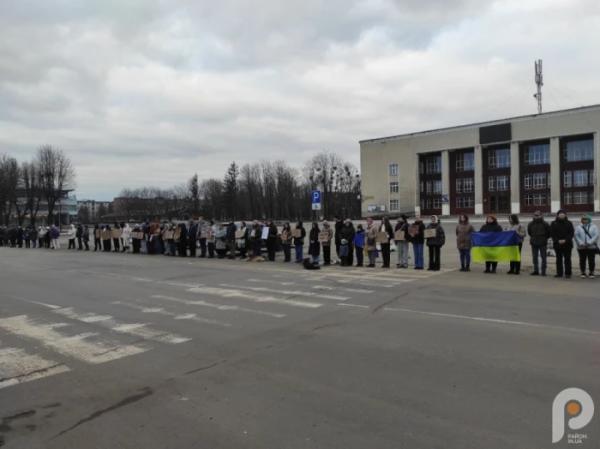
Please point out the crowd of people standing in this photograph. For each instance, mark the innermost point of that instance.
(263, 240)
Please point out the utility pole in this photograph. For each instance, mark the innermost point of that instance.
(539, 80)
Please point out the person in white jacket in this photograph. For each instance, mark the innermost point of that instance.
(586, 239)
(71, 233)
(125, 237)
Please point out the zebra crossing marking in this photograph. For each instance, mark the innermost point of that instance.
(288, 292)
(248, 296)
(162, 311)
(75, 346)
(17, 367)
(142, 330)
(202, 303)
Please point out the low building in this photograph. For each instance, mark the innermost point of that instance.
(541, 162)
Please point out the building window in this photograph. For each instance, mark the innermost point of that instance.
(535, 181)
(394, 205)
(465, 162)
(464, 185)
(579, 197)
(579, 150)
(436, 203)
(433, 165)
(394, 187)
(465, 202)
(567, 179)
(499, 158)
(537, 154)
(580, 178)
(393, 169)
(535, 199)
(502, 183)
(437, 187)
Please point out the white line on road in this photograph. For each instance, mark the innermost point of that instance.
(162, 311)
(491, 320)
(288, 292)
(75, 346)
(202, 303)
(141, 330)
(17, 367)
(240, 294)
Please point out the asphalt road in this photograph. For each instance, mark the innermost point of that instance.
(123, 351)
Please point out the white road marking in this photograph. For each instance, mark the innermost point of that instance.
(75, 346)
(345, 289)
(182, 284)
(240, 294)
(202, 303)
(491, 320)
(262, 281)
(358, 306)
(141, 330)
(162, 311)
(17, 367)
(288, 292)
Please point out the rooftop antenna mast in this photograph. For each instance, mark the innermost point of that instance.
(539, 80)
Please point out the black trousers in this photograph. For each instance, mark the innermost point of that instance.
(563, 261)
(327, 254)
(211, 250)
(79, 243)
(86, 242)
(587, 257)
(71, 243)
(192, 245)
(434, 257)
(116, 244)
(350, 257)
(271, 249)
(202, 247)
(97, 245)
(385, 254)
(359, 256)
(106, 245)
(491, 266)
(515, 267)
(287, 252)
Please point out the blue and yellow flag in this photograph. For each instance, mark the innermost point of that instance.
(495, 246)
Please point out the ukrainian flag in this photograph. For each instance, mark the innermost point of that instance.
(495, 246)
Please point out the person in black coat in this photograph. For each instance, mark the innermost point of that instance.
(386, 227)
(183, 240)
(272, 241)
(79, 237)
(562, 232)
(230, 239)
(347, 234)
(491, 225)
(314, 246)
(193, 237)
(339, 224)
(539, 233)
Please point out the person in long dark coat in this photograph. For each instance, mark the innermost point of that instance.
(347, 238)
(314, 247)
(192, 237)
(183, 240)
(562, 232)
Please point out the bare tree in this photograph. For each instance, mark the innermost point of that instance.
(56, 175)
(9, 183)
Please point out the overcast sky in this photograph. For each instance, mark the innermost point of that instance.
(147, 92)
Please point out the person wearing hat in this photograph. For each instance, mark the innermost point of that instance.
(562, 231)
(586, 238)
(539, 233)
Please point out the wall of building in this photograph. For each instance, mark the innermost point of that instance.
(378, 154)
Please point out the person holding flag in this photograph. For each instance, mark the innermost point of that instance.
(492, 245)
